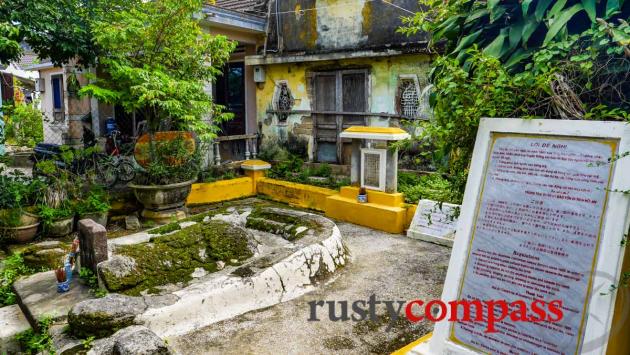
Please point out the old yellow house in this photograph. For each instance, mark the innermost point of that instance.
(330, 64)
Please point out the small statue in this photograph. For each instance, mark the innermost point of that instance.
(64, 274)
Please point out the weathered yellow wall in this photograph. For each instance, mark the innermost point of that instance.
(384, 74)
(301, 195)
(218, 191)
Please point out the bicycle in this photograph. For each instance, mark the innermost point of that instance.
(115, 166)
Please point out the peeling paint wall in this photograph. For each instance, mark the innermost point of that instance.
(384, 76)
(319, 26)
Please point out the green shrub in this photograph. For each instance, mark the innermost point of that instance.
(13, 268)
(432, 187)
(37, 342)
(49, 215)
(170, 162)
(272, 150)
(17, 192)
(25, 125)
(96, 200)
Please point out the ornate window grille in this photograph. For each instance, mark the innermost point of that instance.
(409, 98)
(285, 101)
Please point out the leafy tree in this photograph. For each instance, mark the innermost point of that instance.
(157, 60)
(10, 49)
(55, 29)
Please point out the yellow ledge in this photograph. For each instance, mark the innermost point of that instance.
(408, 347)
(301, 195)
(218, 191)
(372, 129)
(382, 217)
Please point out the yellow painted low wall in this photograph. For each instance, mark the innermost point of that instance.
(383, 211)
(301, 195)
(224, 190)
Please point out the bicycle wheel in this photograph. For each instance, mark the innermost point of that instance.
(126, 171)
(106, 173)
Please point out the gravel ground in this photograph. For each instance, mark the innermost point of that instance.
(392, 267)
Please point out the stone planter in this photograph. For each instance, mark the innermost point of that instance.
(60, 228)
(98, 217)
(162, 197)
(25, 232)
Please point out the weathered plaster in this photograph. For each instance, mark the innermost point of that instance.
(322, 26)
(383, 88)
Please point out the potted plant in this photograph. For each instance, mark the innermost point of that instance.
(62, 186)
(94, 204)
(164, 79)
(18, 195)
(57, 222)
(170, 169)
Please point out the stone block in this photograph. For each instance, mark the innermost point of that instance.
(93, 247)
(132, 222)
(12, 322)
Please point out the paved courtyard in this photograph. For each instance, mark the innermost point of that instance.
(391, 267)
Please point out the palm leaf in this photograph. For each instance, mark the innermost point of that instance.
(525, 6)
(530, 27)
(466, 41)
(589, 7)
(518, 57)
(556, 8)
(612, 6)
(541, 7)
(497, 47)
(561, 20)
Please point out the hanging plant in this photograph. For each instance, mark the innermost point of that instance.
(73, 85)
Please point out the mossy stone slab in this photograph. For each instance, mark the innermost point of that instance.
(38, 297)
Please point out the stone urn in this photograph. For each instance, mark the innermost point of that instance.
(23, 233)
(60, 228)
(163, 201)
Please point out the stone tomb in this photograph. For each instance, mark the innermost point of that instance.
(434, 222)
(540, 221)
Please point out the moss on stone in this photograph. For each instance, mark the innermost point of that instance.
(337, 343)
(243, 272)
(172, 258)
(285, 225)
(97, 324)
(167, 228)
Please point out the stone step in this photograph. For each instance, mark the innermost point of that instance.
(37, 297)
(12, 322)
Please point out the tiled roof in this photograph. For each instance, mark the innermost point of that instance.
(28, 58)
(253, 7)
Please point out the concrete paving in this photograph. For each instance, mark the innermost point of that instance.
(391, 267)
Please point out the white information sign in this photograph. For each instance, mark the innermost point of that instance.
(540, 221)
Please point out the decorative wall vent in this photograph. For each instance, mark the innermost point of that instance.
(409, 98)
(284, 100)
